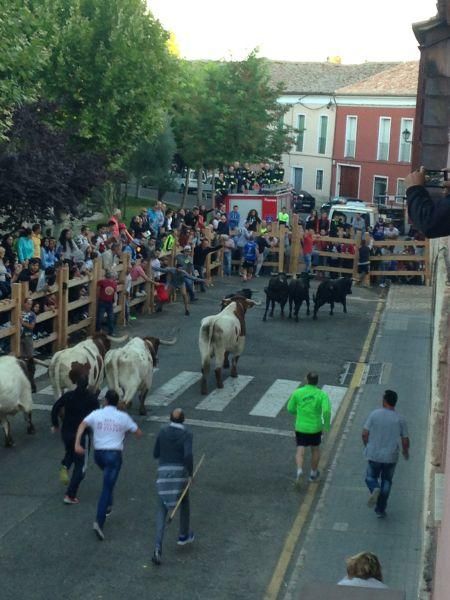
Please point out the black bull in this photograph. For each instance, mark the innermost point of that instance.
(331, 291)
(280, 290)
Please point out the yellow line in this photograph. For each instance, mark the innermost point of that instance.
(290, 543)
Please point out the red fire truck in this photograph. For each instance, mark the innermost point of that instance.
(267, 203)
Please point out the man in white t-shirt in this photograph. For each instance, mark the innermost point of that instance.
(109, 426)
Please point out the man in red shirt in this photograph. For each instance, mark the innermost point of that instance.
(107, 298)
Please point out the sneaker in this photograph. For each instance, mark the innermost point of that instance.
(373, 497)
(64, 475)
(186, 539)
(312, 478)
(380, 515)
(130, 318)
(99, 531)
(69, 500)
(382, 285)
(109, 511)
(140, 294)
(156, 558)
(193, 299)
(187, 313)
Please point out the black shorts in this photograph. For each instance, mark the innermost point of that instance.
(248, 264)
(363, 269)
(308, 439)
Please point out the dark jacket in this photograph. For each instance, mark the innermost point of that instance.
(77, 404)
(430, 216)
(201, 253)
(173, 446)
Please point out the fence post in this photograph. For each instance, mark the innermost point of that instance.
(16, 295)
(63, 306)
(356, 255)
(427, 262)
(125, 260)
(281, 238)
(93, 295)
(295, 249)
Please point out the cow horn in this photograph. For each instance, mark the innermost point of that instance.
(118, 340)
(168, 342)
(41, 362)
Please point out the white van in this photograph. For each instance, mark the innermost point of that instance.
(180, 181)
(351, 208)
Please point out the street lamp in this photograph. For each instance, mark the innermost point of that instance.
(406, 134)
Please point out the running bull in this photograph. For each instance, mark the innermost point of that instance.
(331, 291)
(221, 335)
(276, 291)
(129, 370)
(16, 377)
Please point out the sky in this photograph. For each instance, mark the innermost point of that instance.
(295, 30)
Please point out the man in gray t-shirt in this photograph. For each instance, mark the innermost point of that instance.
(381, 434)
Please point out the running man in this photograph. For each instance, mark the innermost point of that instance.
(313, 416)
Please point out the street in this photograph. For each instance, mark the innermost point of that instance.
(243, 502)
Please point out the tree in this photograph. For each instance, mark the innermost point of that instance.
(153, 161)
(234, 114)
(109, 71)
(42, 176)
(23, 54)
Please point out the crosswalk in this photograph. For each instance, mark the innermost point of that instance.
(269, 405)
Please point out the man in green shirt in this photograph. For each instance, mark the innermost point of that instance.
(313, 416)
(283, 217)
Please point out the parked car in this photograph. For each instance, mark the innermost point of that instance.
(180, 181)
(338, 200)
(303, 202)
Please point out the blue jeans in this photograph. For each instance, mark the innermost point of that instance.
(307, 259)
(379, 475)
(189, 288)
(110, 462)
(227, 263)
(102, 308)
(161, 516)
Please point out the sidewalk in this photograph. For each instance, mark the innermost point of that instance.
(343, 524)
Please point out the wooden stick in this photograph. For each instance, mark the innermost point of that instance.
(185, 491)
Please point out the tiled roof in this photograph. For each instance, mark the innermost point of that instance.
(321, 77)
(399, 80)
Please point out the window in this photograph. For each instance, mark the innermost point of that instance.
(301, 133)
(401, 191)
(319, 179)
(350, 137)
(404, 148)
(322, 141)
(380, 186)
(298, 179)
(384, 135)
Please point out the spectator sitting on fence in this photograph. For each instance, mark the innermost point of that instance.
(83, 240)
(31, 275)
(136, 273)
(48, 253)
(67, 248)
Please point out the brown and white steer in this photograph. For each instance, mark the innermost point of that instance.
(129, 370)
(91, 351)
(16, 376)
(221, 335)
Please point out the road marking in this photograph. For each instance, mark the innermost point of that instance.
(336, 394)
(229, 426)
(275, 398)
(290, 544)
(173, 388)
(40, 370)
(221, 398)
(47, 391)
(42, 407)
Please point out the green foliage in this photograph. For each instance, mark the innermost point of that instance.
(110, 70)
(228, 111)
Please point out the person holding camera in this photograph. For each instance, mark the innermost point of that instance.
(430, 216)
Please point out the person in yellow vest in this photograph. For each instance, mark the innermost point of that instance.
(168, 243)
(283, 217)
(36, 238)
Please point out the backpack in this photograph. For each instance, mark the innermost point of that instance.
(250, 251)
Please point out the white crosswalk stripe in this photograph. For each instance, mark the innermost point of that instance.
(275, 398)
(173, 388)
(47, 391)
(336, 394)
(40, 370)
(221, 398)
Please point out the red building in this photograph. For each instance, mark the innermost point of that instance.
(373, 134)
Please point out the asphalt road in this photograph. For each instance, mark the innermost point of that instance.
(243, 502)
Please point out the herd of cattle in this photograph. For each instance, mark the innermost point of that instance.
(129, 369)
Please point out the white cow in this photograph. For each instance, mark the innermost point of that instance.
(15, 393)
(129, 370)
(221, 335)
(88, 355)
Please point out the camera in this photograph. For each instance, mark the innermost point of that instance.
(435, 179)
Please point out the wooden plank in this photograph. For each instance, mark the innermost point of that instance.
(7, 331)
(344, 255)
(6, 305)
(79, 281)
(81, 325)
(16, 295)
(397, 273)
(399, 257)
(333, 269)
(44, 341)
(139, 300)
(398, 242)
(46, 315)
(78, 303)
